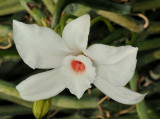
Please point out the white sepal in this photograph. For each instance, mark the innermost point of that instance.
(114, 64)
(119, 94)
(41, 86)
(39, 47)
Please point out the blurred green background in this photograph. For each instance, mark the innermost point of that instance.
(121, 22)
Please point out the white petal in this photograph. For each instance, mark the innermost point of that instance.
(39, 47)
(114, 64)
(41, 86)
(119, 94)
(77, 82)
(76, 33)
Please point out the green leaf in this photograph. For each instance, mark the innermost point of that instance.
(148, 44)
(141, 106)
(122, 20)
(13, 110)
(9, 7)
(148, 58)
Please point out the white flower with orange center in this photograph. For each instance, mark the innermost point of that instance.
(75, 67)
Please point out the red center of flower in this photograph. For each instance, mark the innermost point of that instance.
(77, 66)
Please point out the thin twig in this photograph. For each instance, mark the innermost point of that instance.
(107, 114)
(1, 62)
(89, 92)
(145, 19)
(7, 46)
(99, 117)
(101, 101)
(53, 114)
(125, 111)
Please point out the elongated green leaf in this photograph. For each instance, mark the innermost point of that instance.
(14, 110)
(122, 20)
(50, 5)
(74, 103)
(8, 92)
(141, 106)
(146, 5)
(97, 4)
(9, 7)
(148, 58)
(148, 44)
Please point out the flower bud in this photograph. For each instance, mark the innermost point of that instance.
(41, 107)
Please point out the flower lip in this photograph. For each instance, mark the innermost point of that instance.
(77, 66)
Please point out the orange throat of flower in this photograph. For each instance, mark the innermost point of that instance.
(77, 66)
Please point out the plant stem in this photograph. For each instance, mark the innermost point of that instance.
(105, 5)
(148, 44)
(98, 4)
(115, 35)
(8, 92)
(148, 58)
(8, 53)
(56, 28)
(14, 110)
(35, 12)
(106, 21)
(154, 27)
(141, 106)
(133, 39)
(59, 6)
(50, 5)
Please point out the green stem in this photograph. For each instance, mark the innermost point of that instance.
(154, 27)
(105, 5)
(115, 35)
(142, 110)
(50, 5)
(68, 102)
(14, 110)
(106, 21)
(4, 53)
(148, 44)
(141, 106)
(59, 6)
(133, 39)
(35, 12)
(56, 28)
(148, 58)
(8, 92)
(98, 4)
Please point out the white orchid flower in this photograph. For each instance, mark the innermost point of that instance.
(76, 68)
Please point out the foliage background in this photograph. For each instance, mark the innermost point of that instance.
(127, 24)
